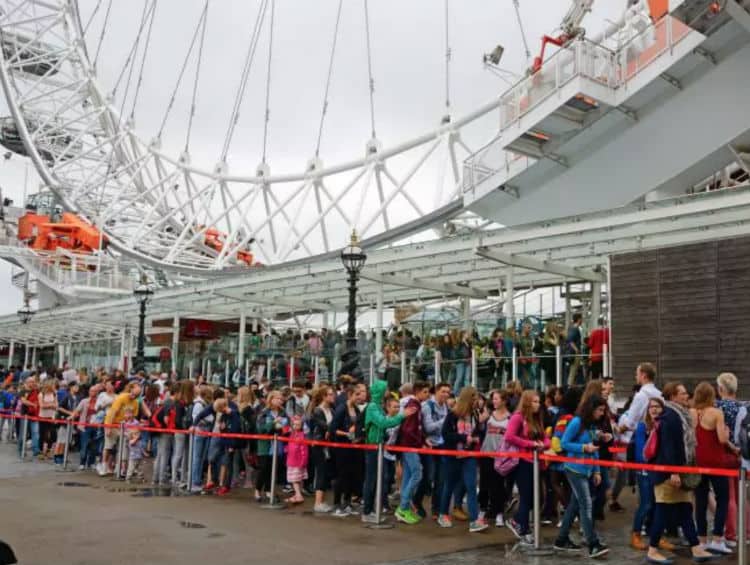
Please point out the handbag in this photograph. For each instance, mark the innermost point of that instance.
(651, 448)
(505, 465)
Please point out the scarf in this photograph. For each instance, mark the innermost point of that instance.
(687, 430)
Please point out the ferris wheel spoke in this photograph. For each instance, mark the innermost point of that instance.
(319, 207)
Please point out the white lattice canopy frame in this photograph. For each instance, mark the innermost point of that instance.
(162, 210)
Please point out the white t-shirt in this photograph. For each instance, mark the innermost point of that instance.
(70, 376)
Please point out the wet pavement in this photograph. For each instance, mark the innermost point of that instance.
(85, 519)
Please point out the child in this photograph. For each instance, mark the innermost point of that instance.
(134, 446)
(296, 460)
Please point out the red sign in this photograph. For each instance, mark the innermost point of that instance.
(199, 328)
(165, 354)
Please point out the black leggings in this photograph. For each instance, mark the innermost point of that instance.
(493, 488)
(263, 482)
(348, 476)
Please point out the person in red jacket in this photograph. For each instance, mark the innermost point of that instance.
(411, 434)
(598, 338)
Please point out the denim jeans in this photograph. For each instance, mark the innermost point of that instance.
(179, 457)
(524, 478)
(88, 447)
(580, 505)
(412, 475)
(432, 482)
(200, 451)
(163, 455)
(679, 514)
(460, 470)
(645, 502)
(33, 428)
(462, 377)
(721, 491)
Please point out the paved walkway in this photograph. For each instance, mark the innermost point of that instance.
(55, 517)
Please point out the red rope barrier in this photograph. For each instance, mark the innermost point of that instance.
(525, 455)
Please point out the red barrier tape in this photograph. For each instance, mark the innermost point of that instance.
(525, 455)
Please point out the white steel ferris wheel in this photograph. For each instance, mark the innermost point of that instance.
(163, 210)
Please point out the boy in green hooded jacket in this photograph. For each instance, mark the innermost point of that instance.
(376, 422)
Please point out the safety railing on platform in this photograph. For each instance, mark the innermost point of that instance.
(581, 58)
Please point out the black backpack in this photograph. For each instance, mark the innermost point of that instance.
(744, 435)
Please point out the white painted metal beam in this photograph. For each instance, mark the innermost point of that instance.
(542, 266)
(448, 289)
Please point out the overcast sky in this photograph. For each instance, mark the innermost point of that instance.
(408, 58)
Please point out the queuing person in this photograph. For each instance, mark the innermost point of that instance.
(644, 512)
(376, 423)
(726, 384)
(461, 433)
(411, 434)
(347, 427)
(320, 417)
(711, 450)
(85, 412)
(526, 433)
(676, 446)
(498, 487)
(271, 420)
(200, 442)
(434, 411)
(580, 440)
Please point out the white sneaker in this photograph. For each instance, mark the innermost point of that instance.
(81, 467)
(730, 543)
(101, 470)
(718, 547)
(340, 513)
(322, 508)
(500, 521)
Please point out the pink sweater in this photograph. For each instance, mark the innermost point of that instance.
(297, 453)
(517, 434)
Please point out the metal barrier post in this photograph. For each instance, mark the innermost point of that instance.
(372, 368)
(437, 367)
(537, 502)
(191, 448)
(269, 367)
(120, 451)
(605, 361)
(473, 367)
(317, 370)
(24, 433)
(741, 525)
(515, 363)
(403, 366)
(380, 523)
(272, 504)
(226, 373)
(291, 371)
(558, 366)
(68, 439)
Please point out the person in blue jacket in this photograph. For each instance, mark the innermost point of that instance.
(580, 441)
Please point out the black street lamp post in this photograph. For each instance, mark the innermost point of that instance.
(353, 259)
(143, 293)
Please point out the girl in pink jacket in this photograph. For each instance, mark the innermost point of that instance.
(296, 460)
(526, 432)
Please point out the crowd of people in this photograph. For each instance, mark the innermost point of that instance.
(152, 416)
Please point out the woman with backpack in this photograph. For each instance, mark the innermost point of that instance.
(320, 416)
(580, 441)
(675, 445)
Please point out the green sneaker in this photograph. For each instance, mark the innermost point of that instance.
(405, 516)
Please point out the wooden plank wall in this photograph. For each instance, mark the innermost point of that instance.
(685, 309)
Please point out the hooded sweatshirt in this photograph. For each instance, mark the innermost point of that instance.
(376, 422)
(411, 432)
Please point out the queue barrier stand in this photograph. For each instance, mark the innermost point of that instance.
(191, 448)
(121, 453)
(380, 523)
(272, 503)
(68, 439)
(24, 433)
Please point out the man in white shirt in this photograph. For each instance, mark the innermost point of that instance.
(645, 374)
(69, 374)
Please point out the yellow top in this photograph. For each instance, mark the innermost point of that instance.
(116, 412)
